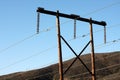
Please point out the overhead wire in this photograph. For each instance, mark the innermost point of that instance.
(48, 49)
(111, 78)
(96, 60)
(97, 70)
(36, 55)
(15, 44)
(108, 43)
(56, 72)
(97, 10)
(48, 29)
(96, 31)
(87, 34)
(29, 57)
(100, 9)
(77, 74)
(21, 41)
(45, 30)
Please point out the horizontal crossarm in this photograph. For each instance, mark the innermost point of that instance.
(71, 16)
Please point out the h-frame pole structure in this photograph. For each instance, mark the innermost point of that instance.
(75, 17)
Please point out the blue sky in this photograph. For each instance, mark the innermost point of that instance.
(22, 50)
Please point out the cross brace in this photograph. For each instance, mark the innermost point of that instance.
(77, 56)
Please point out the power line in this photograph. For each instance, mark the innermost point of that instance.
(15, 44)
(111, 78)
(97, 10)
(100, 9)
(21, 41)
(52, 73)
(112, 42)
(96, 60)
(48, 29)
(34, 35)
(85, 35)
(108, 43)
(97, 70)
(29, 57)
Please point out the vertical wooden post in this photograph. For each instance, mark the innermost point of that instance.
(59, 47)
(92, 51)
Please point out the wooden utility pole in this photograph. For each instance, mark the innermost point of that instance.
(59, 36)
(59, 46)
(92, 51)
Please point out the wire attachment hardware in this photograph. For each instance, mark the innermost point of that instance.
(74, 28)
(75, 17)
(105, 34)
(38, 21)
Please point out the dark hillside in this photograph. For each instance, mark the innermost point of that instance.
(107, 68)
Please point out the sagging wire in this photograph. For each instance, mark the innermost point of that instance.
(15, 44)
(100, 9)
(50, 28)
(97, 70)
(107, 43)
(29, 57)
(97, 10)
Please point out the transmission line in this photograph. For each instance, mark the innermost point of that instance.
(29, 57)
(98, 46)
(15, 44)
(97, 10)
(48, 29)
(97, 70)
(21, 41)
(100, 9)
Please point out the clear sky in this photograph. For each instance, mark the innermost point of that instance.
(22, 50)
